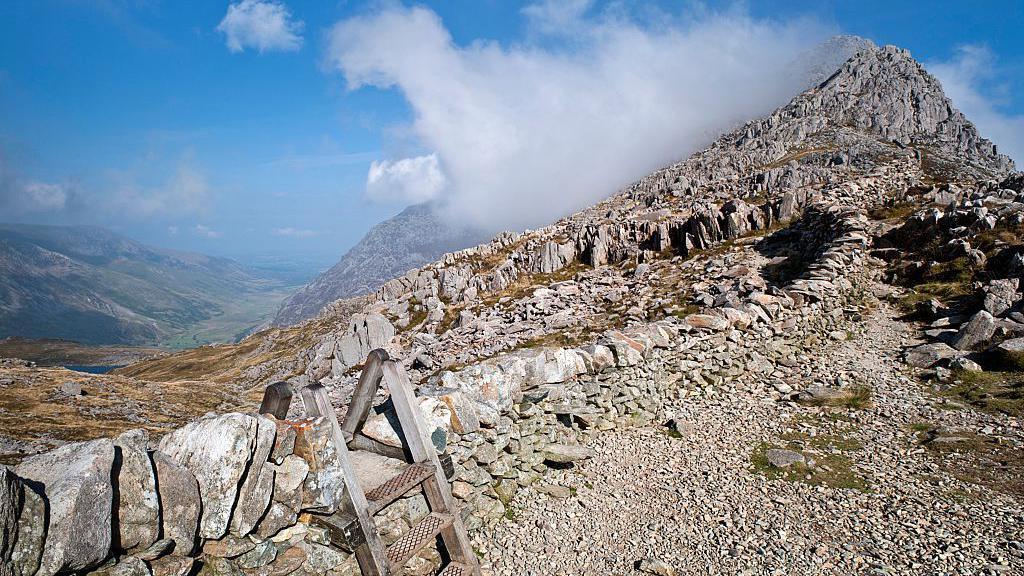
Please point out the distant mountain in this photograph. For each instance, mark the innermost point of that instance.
(410, 239)
(417, 236)
(90, 285)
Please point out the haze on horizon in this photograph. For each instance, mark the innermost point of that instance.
(287, 129)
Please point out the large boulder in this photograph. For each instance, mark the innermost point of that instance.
(976, 333)
(381, 425)
(76, 479)
(218, 451)
(365, 332)
(180, 502)
(22, 525)
(138, 510)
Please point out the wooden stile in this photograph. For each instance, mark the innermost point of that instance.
(356, 527)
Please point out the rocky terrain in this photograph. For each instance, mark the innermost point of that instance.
(795, 352)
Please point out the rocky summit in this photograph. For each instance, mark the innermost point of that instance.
(798, 351)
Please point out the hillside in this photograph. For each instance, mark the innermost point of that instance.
(93, 286)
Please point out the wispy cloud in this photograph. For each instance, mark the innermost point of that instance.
(22, 197)
(294, 232)
(529, 132)
(186, 191)
(263, 25)
(971, 80)
(206, 232)
(410, 180)
(302, 162)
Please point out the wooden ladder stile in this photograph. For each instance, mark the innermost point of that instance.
(356, 526)
(436, 489)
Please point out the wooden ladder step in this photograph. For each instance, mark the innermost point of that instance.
(456, 569)
(398, 486)
(421, 535)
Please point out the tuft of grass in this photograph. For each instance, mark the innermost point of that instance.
(990, 391)
(833, 469)
(895, 211)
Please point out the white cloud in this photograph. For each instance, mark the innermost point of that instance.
(409, 180)
(970, 80)
(173, 230)
(527, 133)
(294, 232)
(43, 197)
(263, 25)
(206, 232)
(185, 192)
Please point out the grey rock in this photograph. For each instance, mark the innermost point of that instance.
(76, 479)
(22, 523)
(1001, 295)
(255, 492)
(180, 503)
(217, 450)
(138, 510)
(927, 355)
(780, 458)
(566, 453)
(977, 332)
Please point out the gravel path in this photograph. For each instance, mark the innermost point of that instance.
(697, 503)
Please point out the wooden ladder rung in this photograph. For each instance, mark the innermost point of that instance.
(421, 535)
(456, 569)
(398, 486)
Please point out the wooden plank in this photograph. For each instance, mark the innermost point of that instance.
(277, 398)
(436, 489)
(372, 556)
(317, 403)
(362, 396)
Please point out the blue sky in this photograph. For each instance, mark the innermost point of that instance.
(183, 127)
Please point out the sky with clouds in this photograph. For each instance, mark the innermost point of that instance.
(288, 128)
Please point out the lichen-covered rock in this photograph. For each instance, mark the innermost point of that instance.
(76, 479)
(255, 492)
(180, 503)
(138, 510)
(218, 451)
(22, 522)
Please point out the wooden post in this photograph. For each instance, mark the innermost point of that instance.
(276, 400)
(362, 396)
(372, 555)
(436, 489)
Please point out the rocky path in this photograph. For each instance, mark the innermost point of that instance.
(697, 504)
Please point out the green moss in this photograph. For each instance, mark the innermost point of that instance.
(990, 391)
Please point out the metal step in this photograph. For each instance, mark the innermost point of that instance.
(421, 535)
(456, 569)
(396, 487)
